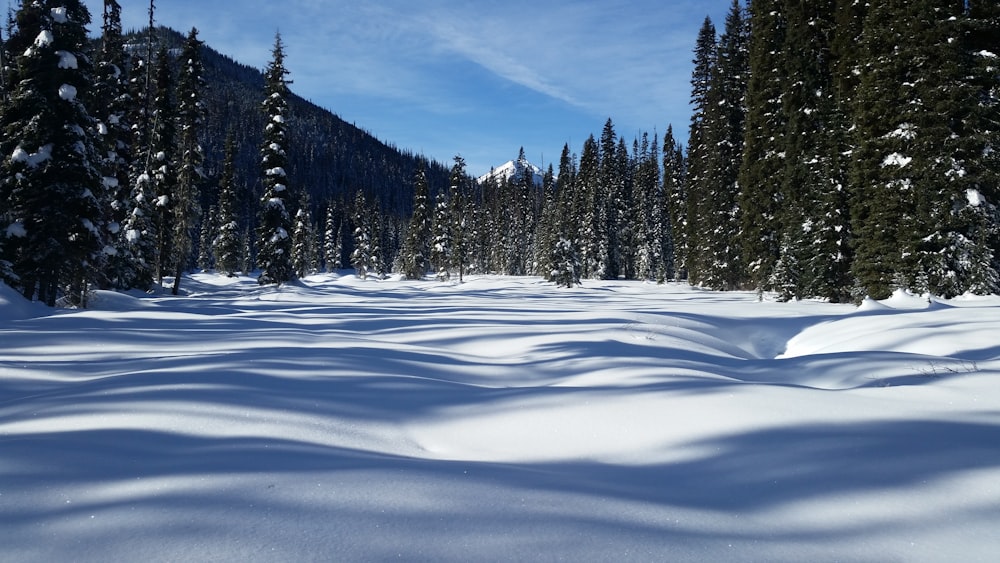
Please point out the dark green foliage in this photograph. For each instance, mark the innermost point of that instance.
(417, 248)
(54, 199)
(227, 241)
(190, 172)
(274, 251)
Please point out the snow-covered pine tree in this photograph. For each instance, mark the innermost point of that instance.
(717, 200)
(416, 249)
(648, 215)
(698, 153)
(545, 231)
(333, 245)
(441, 241)
(274, 250)
(226, 244)
(190, 120)
(209, 227)
(587, 186)
(110, 103)
(915, 152)
(162, 158)
(675, 208)
(303, 238)
(51, 182)
(456, 214)
(139, 228)
(763, 157)
(364, 254)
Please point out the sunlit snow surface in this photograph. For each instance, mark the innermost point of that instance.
(500, 419)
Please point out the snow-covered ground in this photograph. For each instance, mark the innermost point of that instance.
(499, 419)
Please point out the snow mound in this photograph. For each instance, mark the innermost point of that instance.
(15, 307)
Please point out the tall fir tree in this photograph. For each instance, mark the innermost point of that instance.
(699, 152)
(441, 244)
(303, 238)
(416, 249)
(162, 158)
(190, 174)
(110, 103)
(715, 194)
(675, 207)
(51, 181)
(763, 156)
(274, 257)
(333, 244)
(457, 216)
(227, 241)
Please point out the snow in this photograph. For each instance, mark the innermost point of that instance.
(974, 197)
(502, 418)
(896, 159)
(59, 15)
(33, 160)
(67, 60)
(44, 38)
(67, 92)
(16, 229)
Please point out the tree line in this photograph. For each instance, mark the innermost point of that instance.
(836, 149)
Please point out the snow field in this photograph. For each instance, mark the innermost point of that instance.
(502, 418)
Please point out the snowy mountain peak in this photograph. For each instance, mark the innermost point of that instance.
(514, 170)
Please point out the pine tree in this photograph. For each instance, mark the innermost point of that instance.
(441, 243)
(162, 159)
(416, 249)
(590, 214)
(190, 174)
(365, 254)
(675, 223)
(303, 238)
(699, 152)
(566, 266)
(209, 227)
(332, 239)
(226, 244)
(456, 214)
(911, 170)
(715, 193)
(763, 156)
(110, 105)
(51, 182)
(275, 245)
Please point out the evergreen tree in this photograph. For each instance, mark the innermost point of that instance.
(716, 191)
(226, 245)
(190, 118)
(110, 105)
(441, 243)
(365, 254)
(763, 156)
(332, 240)
(565, 261)
(456, 214)
(416, 249)
(675, 207)
(916, 152)
(163, 162)
(589, 203)
(51, 181)
(209, 227)
(699, 152)
(275, 245)
(303, 238)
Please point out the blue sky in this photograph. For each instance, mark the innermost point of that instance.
(477, 78)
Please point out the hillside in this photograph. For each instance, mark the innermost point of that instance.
(328, 156)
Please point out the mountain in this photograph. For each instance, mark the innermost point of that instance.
(329, 157)
(513, 171)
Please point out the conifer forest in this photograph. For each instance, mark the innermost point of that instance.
(837, 149)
